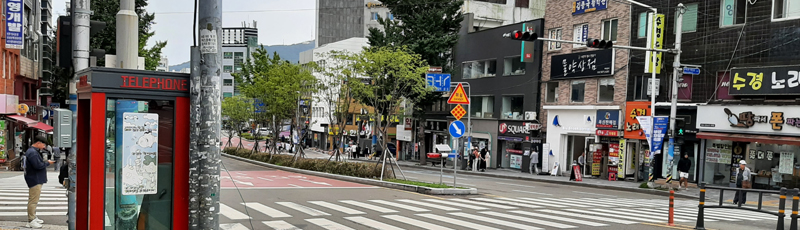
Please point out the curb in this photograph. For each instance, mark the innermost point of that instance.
(572, 183)
(386, 184)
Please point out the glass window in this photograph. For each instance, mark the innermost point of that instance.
(390, 16)
(513, 66)
(512, 107)
(786, 9)
(374, 16)
(610, 30)
(522, 3)
(552, 92)
(227, 68)
(226, 95)
(579, 34)
(555, 34)
(227, 82)
(482, 106)
(228, 55)
(689, 18)
(642, 25)
(238, 54)
(605, 89)
(732, 12)
(479, 69)
(578, 87)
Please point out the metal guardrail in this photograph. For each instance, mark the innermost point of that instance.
(742, 193)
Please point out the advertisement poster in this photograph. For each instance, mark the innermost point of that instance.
(787, 163)
(576, 172)
(613, 154)
(597, 157)
(139, 153)
(516, 161)
(14, 21)
(621, 163)
(3, 142)
(718, 153)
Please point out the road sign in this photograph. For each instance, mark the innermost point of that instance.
(439, 81)
(459, 96)
(458, 112)
(457, 129)
(691, 70)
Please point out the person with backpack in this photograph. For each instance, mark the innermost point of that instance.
(35, 176)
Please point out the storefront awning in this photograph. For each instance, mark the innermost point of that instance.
(782, 140)
(23, 120)
(42, 126)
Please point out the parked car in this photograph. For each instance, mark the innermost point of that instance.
(264, 132)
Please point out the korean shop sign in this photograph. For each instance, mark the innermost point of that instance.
(586, 6)
(778, 80)
(583, 64)
(14, 22)
(635, 109)
(763, 119)
(607, 119)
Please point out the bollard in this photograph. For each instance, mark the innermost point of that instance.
(796, 199)
(700, 224)
(671, 221)
(782, 209)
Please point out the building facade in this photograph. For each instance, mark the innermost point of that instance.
(238, 44)
(582, 88)
(163, 64)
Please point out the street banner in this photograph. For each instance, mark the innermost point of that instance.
(645, 122)
(576, 172)
(660, 125)
(14, 21)
(656, 41)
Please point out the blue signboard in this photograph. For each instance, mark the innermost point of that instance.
(259, 106)
(440, 81)
(586, 6)
(607, 119)
(457, 129)
(659, 131)
(14, 22)
(691, 70)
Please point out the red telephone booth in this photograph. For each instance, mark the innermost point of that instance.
(132, 149)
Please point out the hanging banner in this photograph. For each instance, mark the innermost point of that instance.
(656, 42)
(3, 141)
(14, 21)
(646, 123)
(621, 164)
(660, 125)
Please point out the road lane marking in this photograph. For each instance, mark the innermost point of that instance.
(551, 203)
(315, 182)
(236, 226)
(371, 223)
(530, 220)
(506, 202)
(519, 185)
(551, 217)
(421, 224)
(493, 205)
(231, 213)
(328, 224)
(280, 225)
(594, 194)
(457, 222)
(594, 213)
(303, 209)
(531, 202)
(274, 213)
(403, 206)
(591, 217)
(264, 179)
(368, 206)
(293, 185)
(456, 204)
(429, 205)
(337, 207)
(537, 193)
(494, 221)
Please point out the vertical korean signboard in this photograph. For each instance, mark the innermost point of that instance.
(656, 42)
(14, 22)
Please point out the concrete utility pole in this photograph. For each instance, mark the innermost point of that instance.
(80, 60)
(127, 35)
(676, 66)
(205, 117)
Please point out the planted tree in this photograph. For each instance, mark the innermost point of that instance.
(334, 73)
(236, 111)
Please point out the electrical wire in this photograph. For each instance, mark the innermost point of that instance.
(194, 25)
(249, 218)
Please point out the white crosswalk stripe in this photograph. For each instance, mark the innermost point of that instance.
(591, 217)
(506, 202)
(556, 204)
(493, 221)
(328, 224)
(483, 204)
(661, 213)
(14, 194)
(457, 222)
(418, 223)
(642, 214)
(456, 204)
(337, 207)
(236, 226)
(551, 217)
(403, 206)
(368, 206)
(274, 213)
(614, 215)
(530, 220)
(303, 209)
(280, 225)
(231, 213)
(371, 223)
(532, 202)
(429, 205)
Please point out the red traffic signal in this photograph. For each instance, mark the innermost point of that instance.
(522, 36)
(601, 44)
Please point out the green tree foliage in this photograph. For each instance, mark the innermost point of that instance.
(276, 83)
(390, 75)
(334, 74)
(106, 11)
(236, 111)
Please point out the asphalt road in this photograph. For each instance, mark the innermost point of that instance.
(295, 201)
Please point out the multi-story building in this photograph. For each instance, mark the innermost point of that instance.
(48, 53)
(163, 64)
(504, 92)
(342, 19)
(238, 44)
(742, 105)
(583, 89)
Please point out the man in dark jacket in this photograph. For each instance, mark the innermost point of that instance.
(35, 176)
(683, 169)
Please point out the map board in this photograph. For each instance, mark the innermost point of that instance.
(139, 153)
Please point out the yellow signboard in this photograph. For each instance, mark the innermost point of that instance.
(657, 42)
(459, 96)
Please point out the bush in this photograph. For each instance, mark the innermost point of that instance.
(355, 169)
(644, 185)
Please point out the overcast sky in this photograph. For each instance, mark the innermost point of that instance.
(279, 22)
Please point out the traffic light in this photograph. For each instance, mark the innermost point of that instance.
(522, 36)
(679, 126)
(600, 44)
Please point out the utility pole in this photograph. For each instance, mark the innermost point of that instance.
(205, 118)
(676, 66)
(81, 12)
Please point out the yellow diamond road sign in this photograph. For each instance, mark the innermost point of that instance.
(458, 112)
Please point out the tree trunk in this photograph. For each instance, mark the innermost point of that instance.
(423, 156)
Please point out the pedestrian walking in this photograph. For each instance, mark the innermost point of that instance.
(484, 159)
(533, 168)
(56, 159)
(35, 176)
(472, 156)
(683, 168)
(742, 181)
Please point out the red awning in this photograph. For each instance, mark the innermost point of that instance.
(767, 139)
(23, 120)
(42, 126)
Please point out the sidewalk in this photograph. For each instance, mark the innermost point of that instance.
(8, 225)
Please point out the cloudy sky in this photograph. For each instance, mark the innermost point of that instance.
(279, 22)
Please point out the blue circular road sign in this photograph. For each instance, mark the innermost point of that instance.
(457, 129)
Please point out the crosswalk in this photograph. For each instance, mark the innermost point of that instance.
(14, 197)
(468, 213)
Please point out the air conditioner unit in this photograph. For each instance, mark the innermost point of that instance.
(530, 115)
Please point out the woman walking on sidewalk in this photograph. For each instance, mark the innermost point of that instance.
(484, 159)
